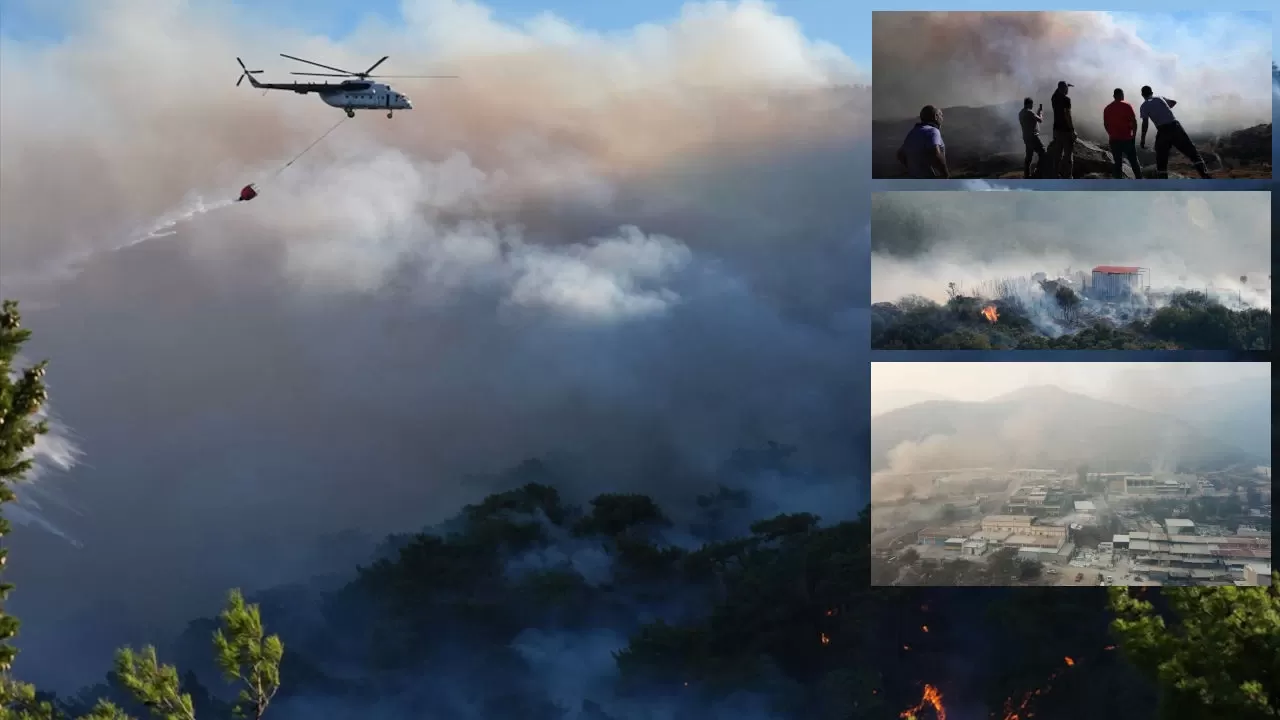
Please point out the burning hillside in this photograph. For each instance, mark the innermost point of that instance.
(1114, 307)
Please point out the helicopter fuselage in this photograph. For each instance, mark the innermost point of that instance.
(365, 96)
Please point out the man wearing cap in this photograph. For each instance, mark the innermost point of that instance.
(1063, 147)
(1169, 133)
(922, 152)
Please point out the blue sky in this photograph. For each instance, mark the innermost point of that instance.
(842, 22)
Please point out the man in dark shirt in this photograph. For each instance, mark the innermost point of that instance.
(1063, 148)
(1030, 122)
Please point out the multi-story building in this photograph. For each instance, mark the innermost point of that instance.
(1156, 553)
(1257, 574)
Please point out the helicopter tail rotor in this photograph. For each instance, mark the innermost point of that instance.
(246, 74)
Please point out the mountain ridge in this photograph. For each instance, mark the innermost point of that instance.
(1043, 425)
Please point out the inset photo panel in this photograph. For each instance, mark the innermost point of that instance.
(1072, 95)
(1063, 270)
(1070, 474)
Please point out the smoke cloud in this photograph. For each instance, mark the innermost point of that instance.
(1137, 416)
(922, 241)
(635, 249)
(998, 58)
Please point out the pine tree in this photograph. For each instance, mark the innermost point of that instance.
(244, 652)
(1217, 655)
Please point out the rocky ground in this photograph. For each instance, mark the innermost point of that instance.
(982, 144)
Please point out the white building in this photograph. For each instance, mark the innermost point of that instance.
(1257, 574)
(1179, 526)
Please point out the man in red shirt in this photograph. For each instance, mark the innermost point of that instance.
(1121, 123)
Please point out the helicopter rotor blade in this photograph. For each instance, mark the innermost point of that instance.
(412, 76)
(345, 73)
(246, 72)
(371, 67)
(311, 74)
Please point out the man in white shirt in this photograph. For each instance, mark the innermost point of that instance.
(1169, 133)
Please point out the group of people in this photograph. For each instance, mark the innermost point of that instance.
(924, 154)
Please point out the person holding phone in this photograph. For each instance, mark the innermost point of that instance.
(1030, 122)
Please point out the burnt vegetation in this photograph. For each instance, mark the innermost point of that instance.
(721, 608)
(1190, 321)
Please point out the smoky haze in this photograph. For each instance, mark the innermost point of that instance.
(997, 58)
(921, 241)
(1018, 414)
(631, 249)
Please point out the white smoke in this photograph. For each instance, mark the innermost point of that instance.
(54, 452)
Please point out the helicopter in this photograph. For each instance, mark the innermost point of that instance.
(349, 95)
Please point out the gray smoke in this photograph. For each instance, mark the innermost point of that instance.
(633, 249)
(998, 58)
(925, 240)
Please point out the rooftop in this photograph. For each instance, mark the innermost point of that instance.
(1085, 506)
(949, 531)
(1010, 519)
(1117, 269)
(1179, 522)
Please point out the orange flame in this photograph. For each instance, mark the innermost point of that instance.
(1022, 711)
(825, 640)
(931, 698)
(989, 312)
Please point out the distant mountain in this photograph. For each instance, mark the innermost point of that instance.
(1044, 426)
(1238, 412)
(883, 402)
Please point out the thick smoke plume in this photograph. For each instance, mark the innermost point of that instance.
(922, 241)
(634, 249)
(998, 58)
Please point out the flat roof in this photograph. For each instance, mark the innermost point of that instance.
(949, 531)
(1120, 539)
(1033, 540)
(1260, 568)
(1179, 522)
(1085, 505)
(1019, 519)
